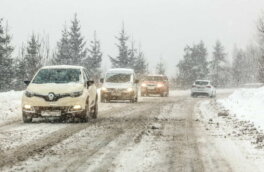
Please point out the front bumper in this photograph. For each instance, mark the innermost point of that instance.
(63, 106)
(155, 90)
(118, 95)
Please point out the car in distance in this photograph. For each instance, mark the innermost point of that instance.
(155, 84)
(119, 84)
(60, 91)
(204, 88)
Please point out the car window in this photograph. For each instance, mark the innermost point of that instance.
(153, 78)
(57, 76)
(201, 82)
(118, 77)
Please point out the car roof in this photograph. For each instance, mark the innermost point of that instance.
(120, 70)
(158, 75)
(62, 67)
(203, 80)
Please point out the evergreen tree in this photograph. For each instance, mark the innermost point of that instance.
(77, 44)
(239, 66)
(6, 72)
(20, 69)
(63, 56)
(122, 60)
(33, 58)
(194, 64)
(160, 68)
(218, 66)
(141, 66)
(93, 61)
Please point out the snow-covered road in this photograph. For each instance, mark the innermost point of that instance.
(176, 133)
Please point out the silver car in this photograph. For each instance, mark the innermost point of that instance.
(203, 88)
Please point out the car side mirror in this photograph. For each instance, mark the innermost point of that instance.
(27, 82)
(102, 80)
(89, 83)
(136, 81)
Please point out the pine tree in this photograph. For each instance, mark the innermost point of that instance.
(160, 68)
(194, 64)
(33, 58)
(218, 66)
(93, 61)
(141, 66)
(6, 72)
(63, 56)
(77, 44)
(20, 69)
(239, 66)
(122, 60)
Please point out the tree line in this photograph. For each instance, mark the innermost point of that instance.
(71, 49)
(246, 65)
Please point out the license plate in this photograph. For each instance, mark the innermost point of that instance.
(151, 88)
(116, 94)
(50, 113)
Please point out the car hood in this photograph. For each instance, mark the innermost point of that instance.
(117, 85)
(55, 88)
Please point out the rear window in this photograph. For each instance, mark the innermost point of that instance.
(153, 78)
(201, 83)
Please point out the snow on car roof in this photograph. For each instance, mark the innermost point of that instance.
(62, 67)
(120, 70)
(203, 80)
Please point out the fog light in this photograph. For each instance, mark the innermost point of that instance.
(143, 85)
(160, 85)
(27, 107)
(130, 89)
(104, 89)
(76, 107)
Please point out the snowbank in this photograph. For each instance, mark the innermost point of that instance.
(247, 104)
(10, 106)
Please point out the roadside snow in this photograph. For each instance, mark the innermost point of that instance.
(10, 106)
(246, 104)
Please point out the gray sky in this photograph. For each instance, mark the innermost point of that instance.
(162, 27)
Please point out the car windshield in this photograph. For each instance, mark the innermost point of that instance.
(118, 77)
(201, 83)
(57, 76)
(154, 78)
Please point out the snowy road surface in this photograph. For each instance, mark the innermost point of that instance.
(176, 133)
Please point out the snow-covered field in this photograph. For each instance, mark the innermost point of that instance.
(10, 106)
(246, 104)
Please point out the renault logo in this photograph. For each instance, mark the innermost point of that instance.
(51, 96)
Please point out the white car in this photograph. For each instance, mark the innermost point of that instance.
(60, 91)
(204, 88)
(119, 84)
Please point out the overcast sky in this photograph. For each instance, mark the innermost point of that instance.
(162, 27)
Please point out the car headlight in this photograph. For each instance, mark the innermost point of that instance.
(160, 85)
(130, 89)
(76, 94)
(143, 85)
(29, 94)
(104, 89)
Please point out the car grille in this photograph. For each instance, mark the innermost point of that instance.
(63, 109)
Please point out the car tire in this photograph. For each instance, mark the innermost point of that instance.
(26, 119)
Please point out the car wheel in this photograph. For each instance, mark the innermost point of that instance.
(161, 94)
(26, 119)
